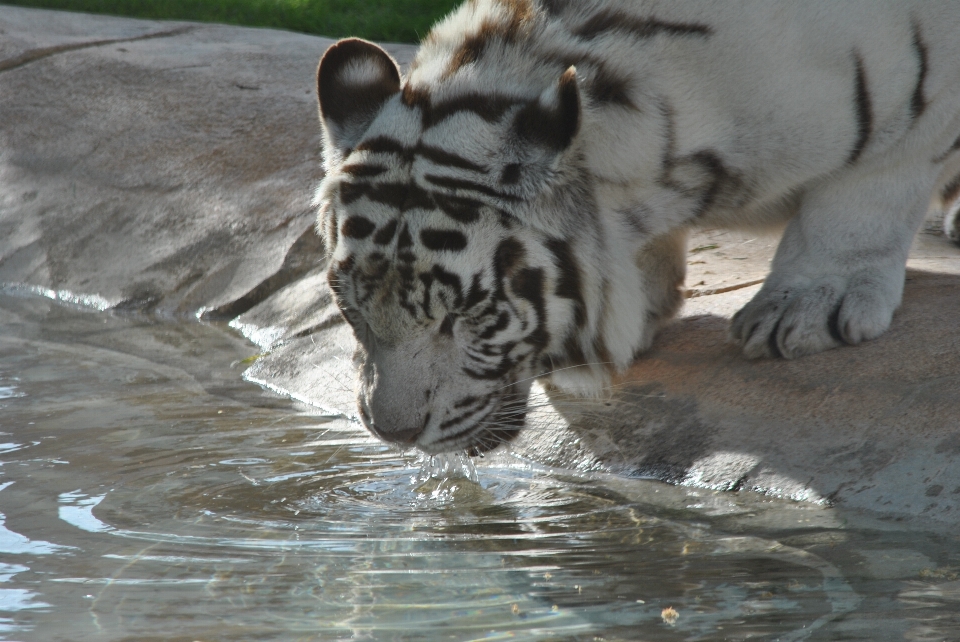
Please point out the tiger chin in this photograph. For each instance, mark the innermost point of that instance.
(516, 207)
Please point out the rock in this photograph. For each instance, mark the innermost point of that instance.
(165, 166)
(170, 167)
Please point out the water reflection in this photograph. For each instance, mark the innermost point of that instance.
(149, 494)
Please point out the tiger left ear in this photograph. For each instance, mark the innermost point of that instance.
(354, 80)
(554, 119)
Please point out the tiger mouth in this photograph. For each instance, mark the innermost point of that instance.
(496, 423)
(491, 439)
(499, 425)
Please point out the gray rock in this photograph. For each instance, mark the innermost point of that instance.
(170, 167)
(165, 166)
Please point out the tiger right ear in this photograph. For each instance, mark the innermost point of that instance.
(552, 121)
(354, 80)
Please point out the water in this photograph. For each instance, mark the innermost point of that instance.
(148, 493)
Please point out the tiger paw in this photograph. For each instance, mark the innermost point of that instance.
(794, 321)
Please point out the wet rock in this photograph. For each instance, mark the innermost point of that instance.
(170, 167)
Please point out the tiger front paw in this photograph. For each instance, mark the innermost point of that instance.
(795, 321)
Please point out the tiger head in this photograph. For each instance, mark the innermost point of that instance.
(465, 248)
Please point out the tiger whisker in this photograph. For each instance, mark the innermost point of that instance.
(554, 371)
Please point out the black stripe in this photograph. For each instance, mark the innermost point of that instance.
(508, 254)
(443, 157)
(449, 280)
(405, 239)
(386, 145)
(919, 101)
(417, 97)
(382, 144)
(510, 174)
(470, 400)
(357, 227)
(492, 350)
(457, 435)
(610, 20)
(574, 351)
(401, 196)
(476, 294)
(470, 412)
(569, 284)
(600, 82)
(377, 259)
(363, 171)
(635, 218)
(668, 115)
(507, 220)
(392, 194)
(503, 320)
(446, 327)
(341, 268)
(491, 31)
(459, 183)
(443, 240)
(417, 198)
(459, 419)
(427, 279)
(951, 190)
(528, 283)
(506, 365)
(720, 176)
(862, 108)
(490, 108)
(385, 234)
(463, 210)
(608, 88)
(573, 355)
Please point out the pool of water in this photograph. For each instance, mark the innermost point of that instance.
(148, 493)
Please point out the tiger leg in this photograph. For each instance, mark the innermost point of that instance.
(663, 264)
(838, 274)
(951, 222)
(949, 204)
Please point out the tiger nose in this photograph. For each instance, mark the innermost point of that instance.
(402, 436)
(387, 430)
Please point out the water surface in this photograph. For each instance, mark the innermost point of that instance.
(148, 493)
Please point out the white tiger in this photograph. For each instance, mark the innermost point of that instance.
(517, 205)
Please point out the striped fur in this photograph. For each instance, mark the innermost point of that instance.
(517, 205)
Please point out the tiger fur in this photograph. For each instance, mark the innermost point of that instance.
(517, 205)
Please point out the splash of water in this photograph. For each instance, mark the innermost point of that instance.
(446, 466)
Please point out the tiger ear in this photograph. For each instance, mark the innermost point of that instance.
(354, 80)
(552, 120)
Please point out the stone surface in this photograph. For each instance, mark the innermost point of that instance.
(165, 166)
(169, 167)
